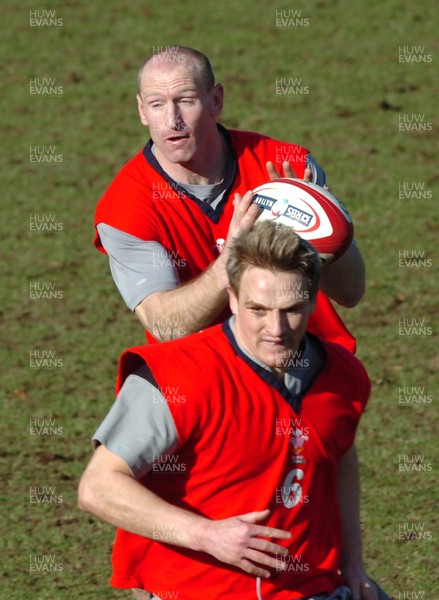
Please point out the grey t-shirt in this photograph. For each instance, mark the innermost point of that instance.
(139, 427)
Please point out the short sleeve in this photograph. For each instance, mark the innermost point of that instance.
(139, 427)
(139, 268)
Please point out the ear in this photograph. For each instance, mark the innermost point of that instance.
(217, 100)
(141, 111)
(233, 300)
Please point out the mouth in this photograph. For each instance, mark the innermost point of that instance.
(275, 342)
(177, 138)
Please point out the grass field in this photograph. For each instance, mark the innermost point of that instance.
(367, 111)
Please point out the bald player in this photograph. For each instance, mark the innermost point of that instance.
(168, 219)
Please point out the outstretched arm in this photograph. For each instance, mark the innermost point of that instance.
(193, 306)
(108, 490)
(344, 279)
(348, 493)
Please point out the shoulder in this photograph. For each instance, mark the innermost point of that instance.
(347, 370)
(247, 136)
(259, 139)
(199, 352)
(343, 358)
(128, 180)
(133, 171)
(128, 203)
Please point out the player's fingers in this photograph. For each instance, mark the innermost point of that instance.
(252, 569)
(246, 212)
(247, 199)
(263, 530)
(267, 546)
(241, 203)
(250, 216)
(265, 559)
(255, 516)
(288, 169)
(273, 173)
(271, 532)
(237, 199)
(307, 176)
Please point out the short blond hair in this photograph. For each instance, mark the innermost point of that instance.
(275, 247)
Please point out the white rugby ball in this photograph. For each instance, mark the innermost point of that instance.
(313, 212)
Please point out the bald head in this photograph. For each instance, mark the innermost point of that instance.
(196, 62)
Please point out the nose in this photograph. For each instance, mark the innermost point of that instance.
(174, 118)
(275, 324)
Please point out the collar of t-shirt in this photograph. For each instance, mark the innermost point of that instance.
(211, 194)
(303, 368)
(212, 211)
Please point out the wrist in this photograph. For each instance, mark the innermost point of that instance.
(219, 271)
(199, 534)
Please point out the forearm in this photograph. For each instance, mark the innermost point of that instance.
(195, 305)
(188, 308)
(121, 501)
(108, 491)
(348, 494)
(344, 280)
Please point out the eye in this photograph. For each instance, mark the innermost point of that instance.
(258, 311)
(187, 101)
(297, 308)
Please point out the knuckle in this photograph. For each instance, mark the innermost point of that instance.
(265, 546)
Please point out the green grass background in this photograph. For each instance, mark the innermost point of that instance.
(348, 57)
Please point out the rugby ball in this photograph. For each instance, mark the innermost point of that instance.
(313, 212)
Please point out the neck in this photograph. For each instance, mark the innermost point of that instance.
(278, 373)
